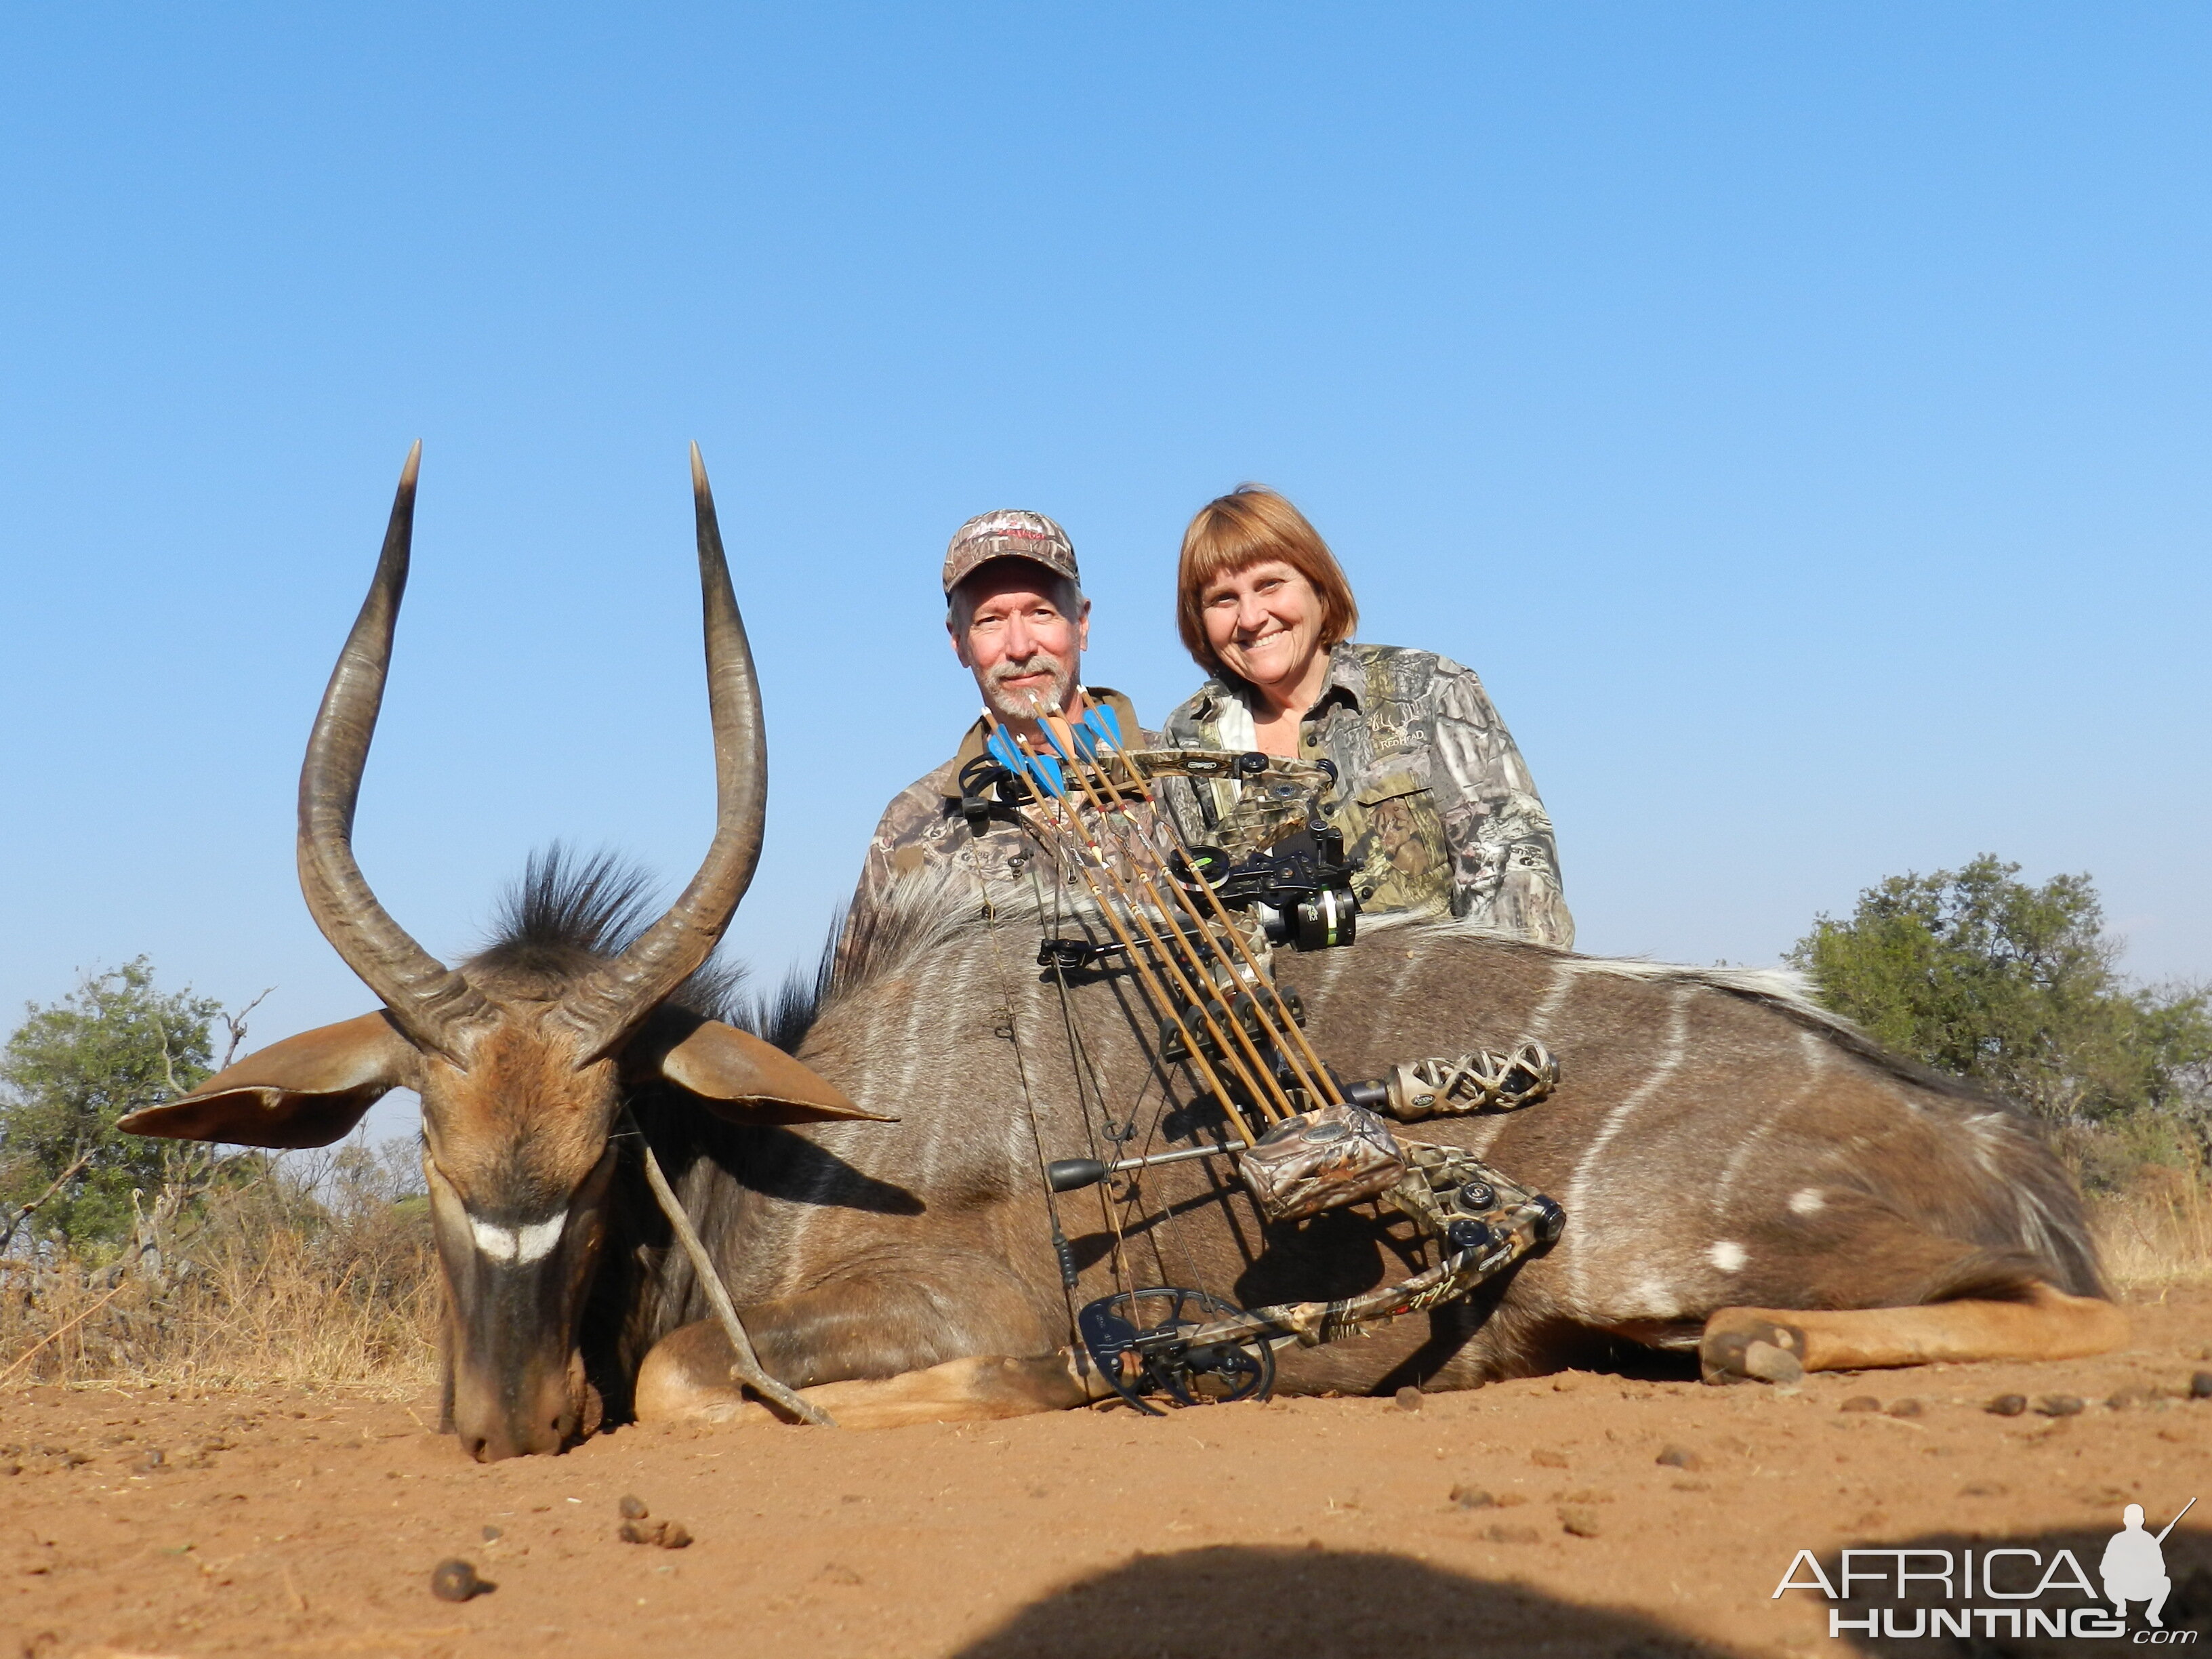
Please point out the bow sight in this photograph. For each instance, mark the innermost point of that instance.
(1195, 925)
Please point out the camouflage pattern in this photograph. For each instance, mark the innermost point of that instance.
(1008, 533)
(1437, 805)
(923, 829)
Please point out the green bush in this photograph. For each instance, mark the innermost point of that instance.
(1976, 973)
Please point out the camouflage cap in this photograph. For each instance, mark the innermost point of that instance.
(1008, 533)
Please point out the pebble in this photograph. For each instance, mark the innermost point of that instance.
(1409, 1399)
(1904, 1408)
(1861, 1402)
(2006, 1405)
(668, 1534)
(633, 1509)
(1514, 1536)
(491, 1534)
(1679, 1457)
(2200, 1386)
(2059, 1404)
(2128, 1399)
(456, 1581)
(1582, 1523)
(1471, 1497)
(1547, 1460)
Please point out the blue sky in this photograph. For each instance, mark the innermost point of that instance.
(1798, 414)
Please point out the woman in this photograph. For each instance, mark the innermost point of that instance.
(1438, 809)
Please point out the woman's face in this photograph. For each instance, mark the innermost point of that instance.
(1263, 621)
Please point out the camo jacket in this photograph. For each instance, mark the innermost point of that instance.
(1437, 805)
(924, 829)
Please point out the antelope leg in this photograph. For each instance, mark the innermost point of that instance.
(2044, 1324)
(978, 1389)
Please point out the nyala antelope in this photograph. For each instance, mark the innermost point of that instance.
(1748, 1182)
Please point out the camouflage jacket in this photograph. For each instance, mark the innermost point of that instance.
(1437, 806)
(924, 829)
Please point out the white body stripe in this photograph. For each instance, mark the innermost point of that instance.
(1579, 1188)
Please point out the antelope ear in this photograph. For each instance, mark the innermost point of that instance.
(308, 1091)
(745, 1081)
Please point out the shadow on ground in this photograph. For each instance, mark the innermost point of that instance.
(1235, 1602)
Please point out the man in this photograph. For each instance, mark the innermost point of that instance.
(2134, 1567)
(1018, 622)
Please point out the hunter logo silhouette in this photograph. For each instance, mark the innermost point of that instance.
(2134, 1567)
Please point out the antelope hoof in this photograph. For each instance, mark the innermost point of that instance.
(1759, 1350)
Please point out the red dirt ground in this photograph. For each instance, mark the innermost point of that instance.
(287, 1524)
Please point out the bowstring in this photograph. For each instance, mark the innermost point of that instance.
(1029, 1103)
(1084, 1067)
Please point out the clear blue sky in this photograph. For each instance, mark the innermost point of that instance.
(1797, 413)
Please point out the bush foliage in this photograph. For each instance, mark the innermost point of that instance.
(1977, 972)
(113, 1045)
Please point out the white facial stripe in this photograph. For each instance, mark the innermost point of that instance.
(534, 1241)
(519, 1245)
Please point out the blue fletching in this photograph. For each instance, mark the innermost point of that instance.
(1103, 723)
(1000, 747)
(1046, 769)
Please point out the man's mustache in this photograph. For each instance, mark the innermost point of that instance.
(1040, 662)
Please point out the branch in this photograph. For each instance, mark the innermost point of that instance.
(237, 1023)
(21, 1216)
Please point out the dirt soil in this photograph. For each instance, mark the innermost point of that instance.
(1578, 1514)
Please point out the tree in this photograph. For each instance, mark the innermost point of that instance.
(111, 1046)
(1980, 974)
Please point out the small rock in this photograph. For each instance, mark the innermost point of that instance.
(2006, 1405)
(2059, 1404)
(836, 1573)
(1473, 1498)
(491, 1534)
(2127, 1399)
(1515, 1535)
(1409, 1399)
(1582, 1523)
(2200, 1386)
(668, 1534)
(1861, 1402)
(1904, 1408)
(1679, 1457)
(1544, 1459)
(456, 1581)
(633, 1509)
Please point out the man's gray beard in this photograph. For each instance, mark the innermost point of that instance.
(1027, 705)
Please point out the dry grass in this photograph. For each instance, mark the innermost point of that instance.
(310, 1276)
(2156, 1232)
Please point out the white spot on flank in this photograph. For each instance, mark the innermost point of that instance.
(1806, 1200)
(1728, 1255)
(519, 1245)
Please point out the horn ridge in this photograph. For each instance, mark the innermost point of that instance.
(610, 1002)
(431, 1002)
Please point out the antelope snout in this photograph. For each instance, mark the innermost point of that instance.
(533, 1409)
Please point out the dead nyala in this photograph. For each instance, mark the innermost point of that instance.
(1748, 1183)
(525, 1055)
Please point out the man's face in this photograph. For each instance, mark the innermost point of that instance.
(1025, 650)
